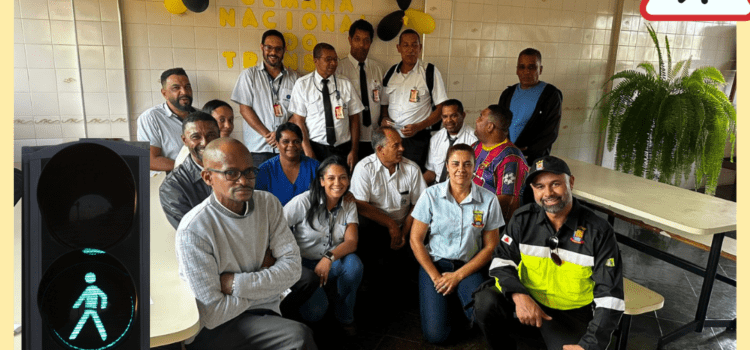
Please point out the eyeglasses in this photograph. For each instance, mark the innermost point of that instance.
(273, 48)
(234, 175)
(552, 243)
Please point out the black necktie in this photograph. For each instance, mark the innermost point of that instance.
(366, 121)
(444, 174)
(330, 131)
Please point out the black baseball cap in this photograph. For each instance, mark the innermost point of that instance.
(550, 164)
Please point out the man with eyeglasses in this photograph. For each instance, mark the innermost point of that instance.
(220, 247)
(263, 93)
(326, 107)
(557, 272)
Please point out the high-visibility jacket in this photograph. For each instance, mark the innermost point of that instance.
(591, 269)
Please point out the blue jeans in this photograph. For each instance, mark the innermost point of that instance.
(433, 307)
(347, 273)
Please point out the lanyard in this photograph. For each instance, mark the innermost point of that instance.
(275, 94)
(336, 86)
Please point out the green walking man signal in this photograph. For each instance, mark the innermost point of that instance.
(91, 296)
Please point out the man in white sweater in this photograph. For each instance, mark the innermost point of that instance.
(220, 248)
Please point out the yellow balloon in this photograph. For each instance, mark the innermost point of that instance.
(419, 21)
(175, 6)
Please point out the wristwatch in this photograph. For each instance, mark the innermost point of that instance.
(329, 255)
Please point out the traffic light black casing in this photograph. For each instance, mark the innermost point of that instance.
(86, 246)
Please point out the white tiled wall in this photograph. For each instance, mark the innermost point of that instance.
(68, 76)
(474, 45)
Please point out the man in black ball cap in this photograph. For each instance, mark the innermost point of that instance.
(557, 271)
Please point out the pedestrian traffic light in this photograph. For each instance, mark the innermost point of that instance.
(86, 246)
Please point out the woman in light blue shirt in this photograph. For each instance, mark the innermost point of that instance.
(464, 221)
(325, 227)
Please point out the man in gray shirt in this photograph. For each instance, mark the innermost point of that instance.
(220, 246)
(263, 93)
(161, 125)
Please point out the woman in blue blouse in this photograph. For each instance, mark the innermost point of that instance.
(289, 173)
(325, 227)
(464, 221)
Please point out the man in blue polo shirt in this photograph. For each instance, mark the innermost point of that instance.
(536, 107)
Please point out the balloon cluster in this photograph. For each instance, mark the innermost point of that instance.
(391, 25)
(180, 6)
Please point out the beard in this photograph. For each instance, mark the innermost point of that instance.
(562, 202)
(186, 107)
(279, 60)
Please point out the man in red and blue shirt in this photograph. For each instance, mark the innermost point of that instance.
(500, 165)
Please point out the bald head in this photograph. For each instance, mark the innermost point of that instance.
(218, 151)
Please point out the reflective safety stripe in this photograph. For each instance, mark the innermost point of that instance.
(497, 262)
(576, 258)
(534, 250)
(565, 255)
(497, 284)
(610, 303)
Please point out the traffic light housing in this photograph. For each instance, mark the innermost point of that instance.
(86, 246)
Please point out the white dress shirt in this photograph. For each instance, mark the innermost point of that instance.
(439, 144)
(349, 68)
(307, 101)
(392, 193)
(257, 89)
(396, 95)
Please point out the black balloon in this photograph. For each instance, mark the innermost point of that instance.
(196, 5)
(390, 25)
(403, 4)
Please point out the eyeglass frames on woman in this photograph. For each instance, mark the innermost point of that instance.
(234, 175)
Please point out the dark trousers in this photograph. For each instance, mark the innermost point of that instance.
(416, 148)
(253, 330)
(324, 151)
(302, 291)
(495, 316)
(383, 265)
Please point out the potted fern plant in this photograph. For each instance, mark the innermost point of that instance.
(664, 119)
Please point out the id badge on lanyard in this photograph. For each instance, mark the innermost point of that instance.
(277, 110)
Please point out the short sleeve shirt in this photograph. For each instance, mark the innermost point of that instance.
(501, 169)
(271, 178)
(439, 144)
(162, 129)
(307, 101)
(456, 228)
(256, 88)
(398, 93)
(522, 104)
(328, 231)
(349, 68)
(392, 193)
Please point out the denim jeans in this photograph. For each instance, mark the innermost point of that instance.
(433, 307)
(347, 274)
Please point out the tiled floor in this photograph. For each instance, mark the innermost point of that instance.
(382, 328)
(391, 320)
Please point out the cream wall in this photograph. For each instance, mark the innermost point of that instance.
(475, 47)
